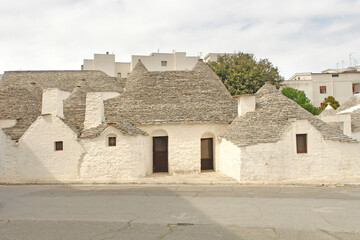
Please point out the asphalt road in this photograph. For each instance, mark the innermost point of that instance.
(179, 212)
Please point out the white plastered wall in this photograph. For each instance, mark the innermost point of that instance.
(34, 159)
(326, 159)
(126, 160)
(230, 159)
(184, 144)
(2, 153)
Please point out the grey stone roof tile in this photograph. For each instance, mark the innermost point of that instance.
(273, 116)
(124, 127)
(172, 97)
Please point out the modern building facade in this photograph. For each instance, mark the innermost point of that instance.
(341, 84)
(176, 61)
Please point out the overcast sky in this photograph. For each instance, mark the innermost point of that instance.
(295, 35)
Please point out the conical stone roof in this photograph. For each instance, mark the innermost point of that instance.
(273, 115)
(172, 97)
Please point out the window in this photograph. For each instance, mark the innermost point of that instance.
(322, 89)
(301, 143)
(163, 63)
(335, 75)
(59, 146)
(119, 75)
(112, 141)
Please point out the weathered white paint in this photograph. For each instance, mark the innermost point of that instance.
(7, 123)
(278, 161)
(34, 159)
(103, 163)
(246, 103)
(53, 101)
(94, 111)
(344, 121)
(184, 153)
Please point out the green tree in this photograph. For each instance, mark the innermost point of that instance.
(242, 73)
(300, 98)
(329, 100)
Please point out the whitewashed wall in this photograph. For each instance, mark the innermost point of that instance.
(34, 159)
(279, 161)
(184, 144)
(2, 153)
(102, 163)
(230, 159)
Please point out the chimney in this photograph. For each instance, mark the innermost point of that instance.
(246, 103)
(53, 102)
(94, 112)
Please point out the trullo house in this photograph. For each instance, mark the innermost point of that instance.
(85, 126)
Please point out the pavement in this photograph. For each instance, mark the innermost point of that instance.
(179, 212)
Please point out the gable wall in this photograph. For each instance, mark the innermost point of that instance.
(279, 161)
(184, 144)
(107, 164)
(34, 159)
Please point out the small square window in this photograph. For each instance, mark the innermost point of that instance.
(335, 75)
(163, 63)
(112, 141)
(323, 89)
(301, 143)
(59, 146)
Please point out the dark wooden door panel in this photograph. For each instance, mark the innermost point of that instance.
(207, 159)
(160, 154)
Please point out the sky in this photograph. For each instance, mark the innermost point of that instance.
(295, 35)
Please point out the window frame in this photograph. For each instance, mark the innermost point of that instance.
(109, 143)
(322, 88)
(298, 137)
(59, 146)
(163, 63)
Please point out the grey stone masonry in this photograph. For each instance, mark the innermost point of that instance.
(172, 97)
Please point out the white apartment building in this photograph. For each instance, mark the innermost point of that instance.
(176, 61)
(339, 83)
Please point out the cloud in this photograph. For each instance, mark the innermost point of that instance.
(295, 35)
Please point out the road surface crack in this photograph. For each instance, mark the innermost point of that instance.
(111, 233)
(170, 231)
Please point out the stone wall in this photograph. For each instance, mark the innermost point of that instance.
(230, 159)
(184, 144)
(280, 161)
(103, 163)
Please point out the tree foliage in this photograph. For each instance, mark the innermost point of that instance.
(242, 73)
(300, 98)
(329, 100)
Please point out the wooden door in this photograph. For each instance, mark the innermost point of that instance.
(207, 160)
(160, 154)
